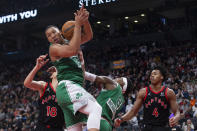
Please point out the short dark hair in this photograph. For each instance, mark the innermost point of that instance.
(162, 71)
(50, 26)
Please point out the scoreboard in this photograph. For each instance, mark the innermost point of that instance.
(94, 2)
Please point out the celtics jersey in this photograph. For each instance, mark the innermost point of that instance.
(69, 69)
(111, 102)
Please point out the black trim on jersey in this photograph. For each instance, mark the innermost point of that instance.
(44, 90)
(52, 87)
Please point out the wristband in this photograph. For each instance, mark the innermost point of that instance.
(89, 76)
(121, 119)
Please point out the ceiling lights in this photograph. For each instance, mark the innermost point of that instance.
(136, 21)
(98, 22)
(126, 17)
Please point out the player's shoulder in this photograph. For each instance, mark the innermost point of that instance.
(55, 45)
(53, 50)
(170, 93)
(169, 90)
(142, 92)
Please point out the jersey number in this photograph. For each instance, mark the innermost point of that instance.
(155, 112)
(51, 111)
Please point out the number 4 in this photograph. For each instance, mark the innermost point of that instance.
(51, 111)
(155, 112)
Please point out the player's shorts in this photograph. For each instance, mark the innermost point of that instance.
(105, 126)
(71, 97)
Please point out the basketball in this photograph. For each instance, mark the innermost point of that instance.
(68, 29)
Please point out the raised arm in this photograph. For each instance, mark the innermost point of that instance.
(87, 33)
(29, 82)
(137, 105)
(67, 50)
(174, 108)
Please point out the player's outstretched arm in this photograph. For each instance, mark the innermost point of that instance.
(130, 114)
(174, 108)
(87, 33)
(29, 82)
(98, 79)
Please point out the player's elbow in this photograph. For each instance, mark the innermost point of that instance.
(26, 84)
(90, 37)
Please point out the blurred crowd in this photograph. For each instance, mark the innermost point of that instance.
(179, 59)
(19, 107)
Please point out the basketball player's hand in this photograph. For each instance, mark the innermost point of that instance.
(81, 16)
(52, 69)
(117, 122)
(41, 61)
(173, 121)
(80, 19)
(84, 12)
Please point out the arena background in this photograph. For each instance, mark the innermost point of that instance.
(130, 38)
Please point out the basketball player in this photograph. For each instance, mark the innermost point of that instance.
(71, 95)
(50, 114)
(157, 101)
(110, 98)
